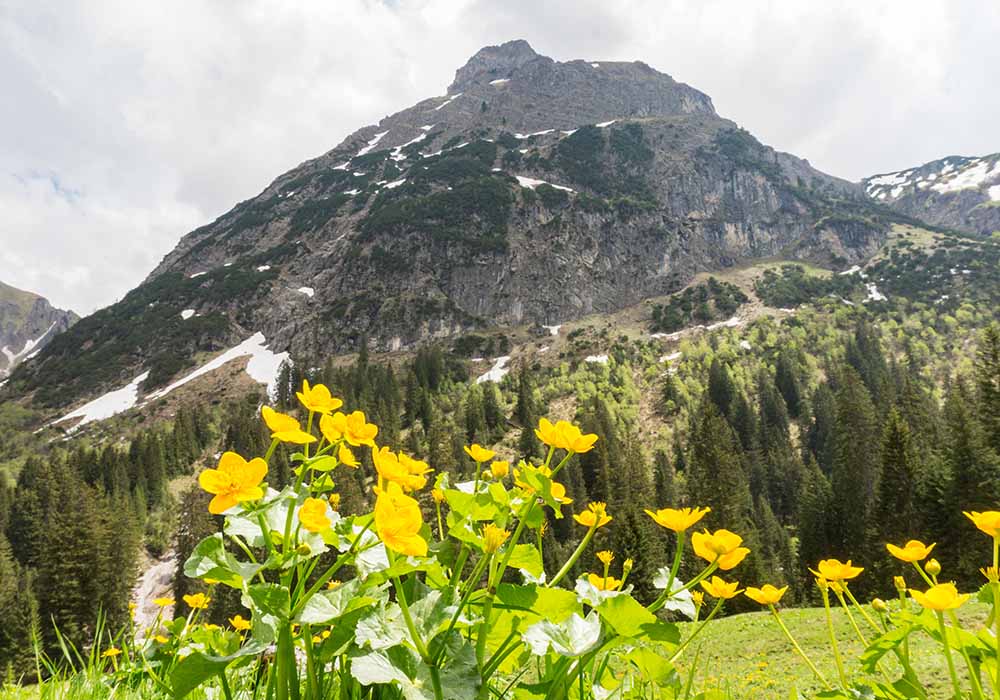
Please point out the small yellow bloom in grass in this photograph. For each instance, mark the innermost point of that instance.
(285, 428)
(721, 546)
(438, 495)
(398, 521)
(766, 594)
(493, 538)
(332, 584)
(835, 570)
(678, 519)
(160, 639)
(317, 639)
(239, 623)
(991, 573)
(317, 398)
(163, 602)
(698, 598)
(500, 469)
(347, 457)
(943, 596)
(132, 606)
(604, 583)
(408, 473)
(987, 521)
(354, 428)
(717, 588)
(479, 453)
(197, 601)
(235, 481)
(564, 435)
(912, 551)
(606, 557)
(595, 516)
(313, 515)
(334, 499)
(111, 652)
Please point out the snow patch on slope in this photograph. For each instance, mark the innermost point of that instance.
(531, 183)
(497, 372)
(110, 404)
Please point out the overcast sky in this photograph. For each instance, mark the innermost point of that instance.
(125, 124)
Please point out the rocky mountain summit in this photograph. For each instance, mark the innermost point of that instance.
(532, 192)
(955, 192)
(27, 323)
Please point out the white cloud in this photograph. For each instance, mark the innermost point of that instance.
(154, 118)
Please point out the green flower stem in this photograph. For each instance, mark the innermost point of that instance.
(466, 595)
(977, 687)
(675, 567)
(225, 686)
(667, 594)
(417, 640)
(309, 429)
(328, 574)
(697, 630)
(503, 651)
(996, 615)
(456, 574)
(548, 456)
(850, 617)
(861, 609)
(923, 574)
(437, 507)
(833, 637)
(562, 464)
(270, 449)
(947, 655)
(798, 649)
(573, 557)
(906, 640)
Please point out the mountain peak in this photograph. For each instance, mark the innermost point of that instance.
(495, 63)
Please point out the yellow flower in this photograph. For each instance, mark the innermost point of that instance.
(604, 583)
(493, 538)
(111, 652)
(398, 521)
(317, 398)
(698, 598)
(317, 639)
(313, 515)
(943, 596)
(479, 453)
(932, 567)
(160, 639)
(211, 581)
(438, 495)
(334, 499)
(353, 428)
(722, 546)
(564, 435)
(558, 490)
(834, 570)
(285, 428)
(500, 469)
(912, 551)
(197, 601)
(210, 627)
(239, 624)
(987, 521)
(717, 588)
(399, 468)
(332, 584)
(899, 582)
(163, 602)
(595, 516)
(991, 573)
(236, 480)
(347, 457)
(678, 519)
(606, 557)
(766, 595)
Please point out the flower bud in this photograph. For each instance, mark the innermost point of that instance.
(335, 501)
(933, 567)
(438, 495)
(900, 583)
(879, 605)
(822, 583)
(627, 568)
(303, 550)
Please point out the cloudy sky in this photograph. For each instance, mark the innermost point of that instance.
(125, 124)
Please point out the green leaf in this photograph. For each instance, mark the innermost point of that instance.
(653, 667)
(882, 646)
(527, 557)
(323, 464)
(574, 636)
(211, 560)
(198, 667)
(553, 604)
(383, 627)
(325, 606)
(270, 599)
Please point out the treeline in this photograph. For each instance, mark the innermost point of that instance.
(71, 531)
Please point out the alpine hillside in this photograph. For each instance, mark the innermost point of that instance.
(27, 323)
(532, 192)
(955, 192)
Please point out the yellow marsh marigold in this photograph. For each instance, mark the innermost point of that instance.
(912, 551)
(317, 398)
(564, 435)
(401, 469)
(312, 515)
(493, 538)
(479, 453)
(438, 495)
(353, 428)
(932, 567)
(160, 639)
(678, 519)
(698, 598)
(163, 602)
(604, 583)
(766, 594)
(717, 588)
(285, 428)
(111, 652)
(347, 457)
(239, 624)
(234, 481)
(197, 601)
(991, 573)
(833, 570)
(500, 469)
(721, 546)
(606, 557)
(334, 499)
(987, 521)
(943, 596)
(595, 516)
(398, 521)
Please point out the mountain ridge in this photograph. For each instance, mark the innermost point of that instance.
(27, 323)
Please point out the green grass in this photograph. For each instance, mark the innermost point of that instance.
(748, 655)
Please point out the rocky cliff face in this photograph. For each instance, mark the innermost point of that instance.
(954, 192)
(533, 191)
(27, 323)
